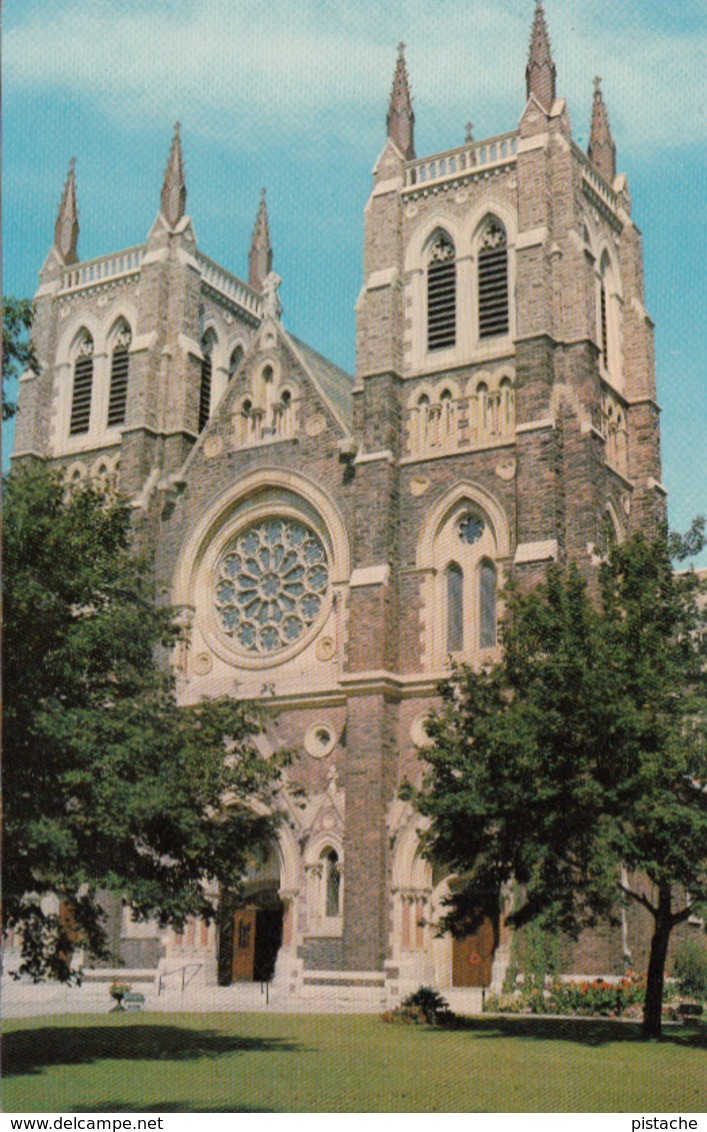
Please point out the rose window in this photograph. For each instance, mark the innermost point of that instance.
(272, 582)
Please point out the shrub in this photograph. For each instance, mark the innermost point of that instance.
(690, 969)
(424, 1006)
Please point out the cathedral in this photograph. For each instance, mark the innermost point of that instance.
(336, 539)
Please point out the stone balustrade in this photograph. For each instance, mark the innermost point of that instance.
(469, 158)
(594, 180)
(254, 426)
(230, 286)
(463, 423)
(102, 269)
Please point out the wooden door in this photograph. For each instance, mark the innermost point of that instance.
(68, 929)
(243, 945)
(472, 957)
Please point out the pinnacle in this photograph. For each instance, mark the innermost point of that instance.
(601, 149)
(174, 192)
(540, 72)
(260, 257)
(401, 116)
(66, 228)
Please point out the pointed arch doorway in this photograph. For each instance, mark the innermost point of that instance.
(251, 925)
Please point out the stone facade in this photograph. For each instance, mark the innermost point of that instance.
(335, 538)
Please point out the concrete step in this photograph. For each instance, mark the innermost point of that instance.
(132, 975)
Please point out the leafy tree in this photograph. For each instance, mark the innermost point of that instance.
(108, 784)
(17, 351)
(576, 765)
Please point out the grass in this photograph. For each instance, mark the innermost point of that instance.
(324, 1063)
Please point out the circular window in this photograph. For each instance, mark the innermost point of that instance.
(272, 580)
(319, 740)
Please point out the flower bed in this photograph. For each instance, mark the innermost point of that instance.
(595, 998)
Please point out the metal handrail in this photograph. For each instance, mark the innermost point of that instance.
(175, 971)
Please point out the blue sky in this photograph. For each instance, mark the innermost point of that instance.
(293, 96)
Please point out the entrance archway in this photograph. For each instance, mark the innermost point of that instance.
(251, 924)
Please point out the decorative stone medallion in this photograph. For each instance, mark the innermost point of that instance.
(202, 664)
(506, 469)
(326, 648)
(315, 425)
(462, 196)
(213, 446)
(419, 485)
(417, 732)
(411, 211)
(319, 740)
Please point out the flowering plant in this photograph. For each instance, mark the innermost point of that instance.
(590, 997)
(118, 989)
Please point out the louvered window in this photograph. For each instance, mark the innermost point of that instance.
(455, 608)
(83, 388)
(205, 390)
(604, 326)
(119, 371)
(487, 603)
(493, 281)
(441, 295)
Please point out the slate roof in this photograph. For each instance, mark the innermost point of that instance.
(335, 383)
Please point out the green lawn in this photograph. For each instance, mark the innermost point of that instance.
(320, 1063)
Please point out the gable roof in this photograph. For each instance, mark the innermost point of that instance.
(334, 384)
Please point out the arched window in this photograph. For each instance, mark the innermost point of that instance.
(482, 407)
(493, 280)
(234, 361)
(332, 890)
(487, 604)
(604, 325)
(119, 373)
(207, 345)
(441, 294)
(508, 413)
(282, 414)
(455, 608)
(83, 386)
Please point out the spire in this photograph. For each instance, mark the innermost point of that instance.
(401, 116)
(260, 258)
(540, 72)
(601, 149)
(174, 191)
(66, 229)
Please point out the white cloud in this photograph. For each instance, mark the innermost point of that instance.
(272, 69)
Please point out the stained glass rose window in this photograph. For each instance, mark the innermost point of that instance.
(271, 586)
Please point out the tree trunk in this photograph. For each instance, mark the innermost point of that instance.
(653, 1009)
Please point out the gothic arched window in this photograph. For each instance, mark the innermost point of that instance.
(83, 386)
(441, 294)
(604, 322)
(493, 280)
(508, 412)
(482, 406)
(332, 889)
(235, 360)
(487, 604)
(455, 608)
(207, 345)
(119, 374)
